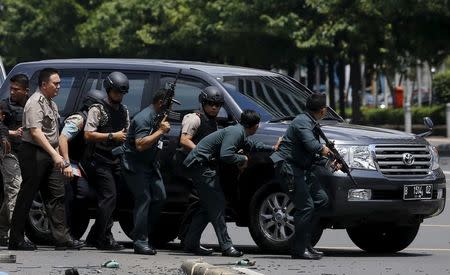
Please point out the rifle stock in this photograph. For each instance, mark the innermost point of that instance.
(345, 168)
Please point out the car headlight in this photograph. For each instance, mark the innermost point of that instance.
(434, 157)
(358, 157)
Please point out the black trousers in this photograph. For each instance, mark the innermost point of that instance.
(212, 207)
(104, 178)
(309, 199)
(39, 174)
(149, 195)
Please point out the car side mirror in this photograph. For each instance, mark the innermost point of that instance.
(428, 122)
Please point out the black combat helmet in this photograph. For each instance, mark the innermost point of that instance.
(211, 94)
(93, 96)
(118, 81)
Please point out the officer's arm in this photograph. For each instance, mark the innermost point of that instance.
(189, 127)
(38, 136)
(143, 137)
(229, 148)
(92, 122)
(72, 126)
(257, 146)
(304, 132)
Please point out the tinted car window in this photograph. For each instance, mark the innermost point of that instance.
(186, 91)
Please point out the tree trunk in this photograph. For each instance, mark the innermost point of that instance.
(311, 72)
(391, 89)
(331, 84)
(355, 80)
(341, 75)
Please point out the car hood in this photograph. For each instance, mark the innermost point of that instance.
(344, 133)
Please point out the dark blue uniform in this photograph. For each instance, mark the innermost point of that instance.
(295, 167)
(142, 175)
(221, 145)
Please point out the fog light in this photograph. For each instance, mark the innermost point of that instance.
(440, 193)
(359, 194)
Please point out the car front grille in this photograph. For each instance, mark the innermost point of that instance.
(403, 160)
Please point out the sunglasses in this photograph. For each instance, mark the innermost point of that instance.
(212, 103)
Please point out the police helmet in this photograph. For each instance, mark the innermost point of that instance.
(118, 81)
(211, 94)
(93, 96)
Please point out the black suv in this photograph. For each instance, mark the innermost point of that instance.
(398, 175)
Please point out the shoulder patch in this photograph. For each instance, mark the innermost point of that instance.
(41, 99)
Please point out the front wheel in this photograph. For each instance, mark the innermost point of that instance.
(383, 238)
(272, 220)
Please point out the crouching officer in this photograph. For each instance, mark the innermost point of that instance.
(105, 130)
(141, 171)
(41, 166)
(294, 160)
(221, 145)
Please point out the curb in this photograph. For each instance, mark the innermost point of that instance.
(198, 267)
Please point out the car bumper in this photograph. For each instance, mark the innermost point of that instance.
(386, 203)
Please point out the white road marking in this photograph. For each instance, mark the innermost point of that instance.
(436, 225)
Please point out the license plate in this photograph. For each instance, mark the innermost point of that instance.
(418, 192)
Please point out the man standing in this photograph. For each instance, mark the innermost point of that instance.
(141, 171)
(106, 128)
(41, 166)
(12, 108)
(298, 151)
(202, 161)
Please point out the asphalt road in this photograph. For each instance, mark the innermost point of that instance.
(428, 254)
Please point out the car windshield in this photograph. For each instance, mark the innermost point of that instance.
(276, 98)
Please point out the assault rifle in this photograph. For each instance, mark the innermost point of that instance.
(167, 105)
(336, 156)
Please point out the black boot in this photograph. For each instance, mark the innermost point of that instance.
(312, 250)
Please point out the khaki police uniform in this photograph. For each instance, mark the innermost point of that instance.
(39, 172)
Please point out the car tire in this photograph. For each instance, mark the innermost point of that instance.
(37, 227)
(272, 222)
(383, 238)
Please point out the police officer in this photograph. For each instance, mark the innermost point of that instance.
(141, 171)
(194, 127)
(12, 108)
(298, 151)
(41, 166)
(106, 128)
(221, 145)
(72, 145)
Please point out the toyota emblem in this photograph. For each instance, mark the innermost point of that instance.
(408, 159)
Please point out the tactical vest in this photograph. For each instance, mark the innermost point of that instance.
(207, 126)
(13, 119)
(116, 121)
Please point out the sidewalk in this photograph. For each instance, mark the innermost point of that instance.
(438, 140)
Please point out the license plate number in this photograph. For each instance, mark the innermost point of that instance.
(418, 192)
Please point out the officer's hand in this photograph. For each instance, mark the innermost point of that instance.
(58, 161)
(243, 165)
(326, 151)
(120, 136)
(6, 146)
(275, 147)
(17, 133)
(164, 126)
(68, 172)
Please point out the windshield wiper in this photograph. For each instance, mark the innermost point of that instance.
(278, 119)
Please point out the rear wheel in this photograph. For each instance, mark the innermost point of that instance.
(383, 238)
(272, 221)
(37, 227)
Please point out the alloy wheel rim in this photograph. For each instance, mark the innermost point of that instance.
(276, 218)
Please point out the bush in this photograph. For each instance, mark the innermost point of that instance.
(376, 117)
(441, 86)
